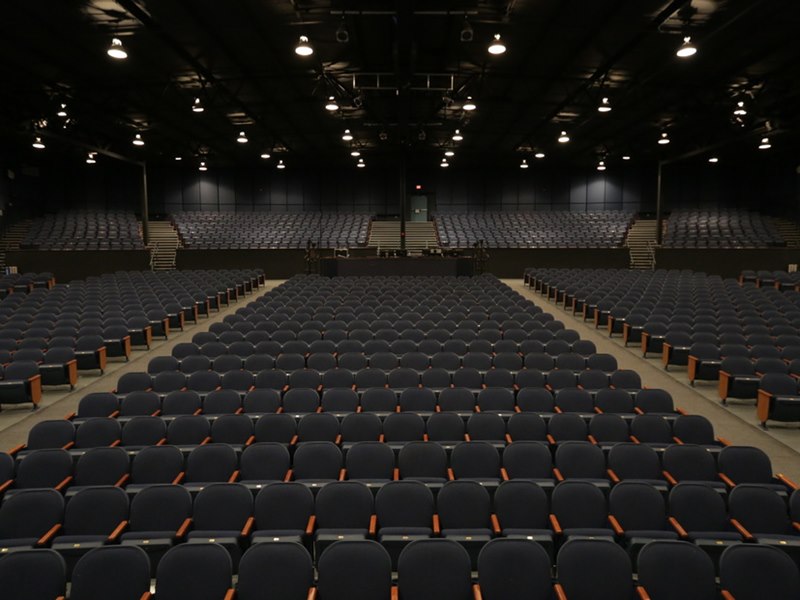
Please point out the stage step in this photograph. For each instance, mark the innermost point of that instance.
(641, 244)
(163, 246)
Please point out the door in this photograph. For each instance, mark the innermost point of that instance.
(418, 207)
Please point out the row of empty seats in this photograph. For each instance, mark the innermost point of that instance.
(550, 229)
(85, 230)
(264, 230)
(782, 280)
(731, 228)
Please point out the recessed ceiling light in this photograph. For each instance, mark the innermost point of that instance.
(280, 164)
(265, 155)
(497, 46)
(242, 139)
(202, 166)
(457, 137)
(523, 164)
(563, 138)
(178, 158)
(355, 153)
(303, 48)
(449, 153)
(539, 155)
(331, 104)
(469, 105)
(361, 164)
(764, 145)
(38, 143)
(90, 158)
(626, 157)
(137, 140)
(347, 136)
(444, 164)
(62, 112)
(740, 110)
(601, 166)
(117, 50)
(604, 106)
(197, 106)
(664, 139)
(713, 159)
(687, 48)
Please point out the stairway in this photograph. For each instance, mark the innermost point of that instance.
(789, 231)
(386, 235)
(641, 243)
(12, 238)
(163, 245)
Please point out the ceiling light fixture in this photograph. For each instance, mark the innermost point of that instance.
(449, 153)
(265, 155)
(342, 35)
(280, 164)
(497, 46)
(686, 49)
(523, 164)
(664, 139)
(62, 112)
(38, 143)
(331, 104)
(539, 155)
(563, 138)
(713, 160)
(137, 140)
(469, 105)
(197, 106)
(117, 50)
(457, 137)
(467, 34)
(242, 139)
(303, 48)
(740, 109)
(90, 158)
(355, 153)
(347, 136)
(601, 166)
(360, 163)
(202, 166)
(764, 145)
(604, 106)
(178, 158)
(444, 164)
(626, 157)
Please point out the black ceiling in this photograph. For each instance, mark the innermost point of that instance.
(400, 79)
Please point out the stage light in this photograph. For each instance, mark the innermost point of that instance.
(117, 50)
(303, 48)
(497, 46)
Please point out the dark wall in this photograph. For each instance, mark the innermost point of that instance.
(67, 266)
(726, 263)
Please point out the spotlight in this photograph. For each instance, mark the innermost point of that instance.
(331, 104)
(626, 157)
(303, 48)
(38, 143)
(117, 50)
(137, 140)
(449, 153)
(469, 105)
(444, 164)
(265, 155)
(62, 112)
(764, 145)
(360, 163)
(355, 153)
(604, 106)
(280, 164)
(202, 166)
(467, 34)
(242, 139)
(457, 137)
(740, 110)
(178, 158)
(601, 166)
(197, 106)
(563, 138)
(523, 164)
(664, 139)
(539, 155)
(347, 136)
(342, 35)
(383, 136)
(90, 158)
(687, 48)
(713, 160)
(497, 46)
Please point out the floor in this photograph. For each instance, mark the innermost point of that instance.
(737, 422)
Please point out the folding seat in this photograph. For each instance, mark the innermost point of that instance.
(321, 361)
(477, 360)
(160, 364)
(235, 430)
(676, 348)
(415, 360)
(581, 460)
(535, 399)
(136, 404)
(143, 431)
(200, 571)
(464, 510)
(751, 465)
(263, 463)
(761, 516)
(316, 463)
(602, 362)
(737, 378)
(697, 512)
(276, 570)
(476, 461)
(33, 575)
(223, 402)
(458, 400)
(370, 377)
(181, 402)
(654, 401)
(653, 430)
(703, 362)
(21, 383)
(376, 346)
(566, 427)
(513, 569)
(526, 426)
(134, 382)
(636, 462)
(96, 432)
(608, 429)
(405, 513)
(470, 378)
(318, 427)
(697, 429)
(749, 571)
(456, 346)
(29, 518)
(570, 361)
(272, 379)
(343, 511)
(283, 513)
(188, 431)
(653, 335)
(562, 378)
(261, 401)
(227, 363)
(195, 363)
(530, 461)
(487, 426)
(626, 379)
(155, 465)
(100, 467)
(84, 527)
(60, 367)
(778, 398)
(691, 463)
(268, 347)
(402, 378)
(589, 569)
(53, 433)
(353, 361)
(339, 401)
(675, 569)
(593, 381)
(370, 462)
(638, 514)
(446, 429)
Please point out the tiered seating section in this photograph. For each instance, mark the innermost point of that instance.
(746, 338)
(720, 229)
(429, 426)
(262, 230)
(49, 334)
(556, 229)
(781, 280)
(85, 230)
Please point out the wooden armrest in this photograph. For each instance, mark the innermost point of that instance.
(183, 528)
(669, 478)
(294, 439)
(312, 521)
(118, 531)
(555, 524)
(742, 530)
(615, 525)
(728, 481)
(436, 529)
(786, 481)
(16, 449)
(115, 443)
(723, 441)
(642, 593)
(64, 483)
(47, 537)
(560, 594)
(504, 474)
(122, 480)
(450, 474)
(466, 435)
(551, 440)
(592, 439)
(289, 475)
(635, 440)
(71, 416)
(373, 524)
(396, 474)
(638, 410)
(248, 526)
(613, 476)
(796, 525)
(476, 592)
(231, 593)
(342, 474)
(179, 478)
(5, 486)
(677, 527)
(395, 594)
(558, 474)
(234, 476)
(726, 595)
